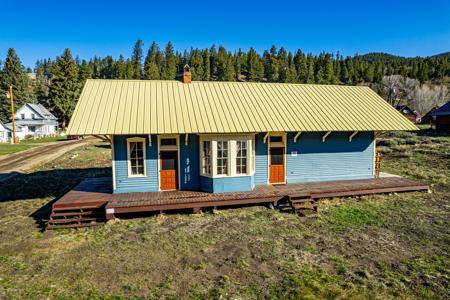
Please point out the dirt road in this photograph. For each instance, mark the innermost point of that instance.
(25, 160)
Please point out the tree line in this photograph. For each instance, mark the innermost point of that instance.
(58, 83)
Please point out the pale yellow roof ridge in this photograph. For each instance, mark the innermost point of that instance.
(233, 82)
(116, 106)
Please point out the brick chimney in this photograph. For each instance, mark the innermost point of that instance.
(187, 78)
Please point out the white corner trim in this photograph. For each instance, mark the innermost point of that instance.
(113, 163)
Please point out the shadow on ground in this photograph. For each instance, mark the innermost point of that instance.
(48, 183)
(45, 184)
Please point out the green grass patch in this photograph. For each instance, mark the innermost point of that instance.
(43, 140)
(343, 217)
(372, 247)
(13, 148)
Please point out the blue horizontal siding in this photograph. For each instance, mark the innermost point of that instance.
(334, 159)
(125, 184)
(227, 184)
(206, 184)
(261, 160)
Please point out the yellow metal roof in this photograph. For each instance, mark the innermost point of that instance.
(164, 107)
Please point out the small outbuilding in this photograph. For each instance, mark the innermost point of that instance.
(232, 136)
(4, 133)
(441, 118)
(409, 113)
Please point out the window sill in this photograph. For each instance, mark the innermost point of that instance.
(227, 176)
(137, 176)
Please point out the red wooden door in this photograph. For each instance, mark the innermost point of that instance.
(168, 170)
(276, 165)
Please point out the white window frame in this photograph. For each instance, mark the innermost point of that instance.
(202, 158)
(136, 140)
(242, 158)
(232, 152)
(216, 157)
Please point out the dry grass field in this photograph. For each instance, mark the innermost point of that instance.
(377, 247)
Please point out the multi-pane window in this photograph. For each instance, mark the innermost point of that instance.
(206, 157)
(136, 157)
(241, 157)
(222, 157)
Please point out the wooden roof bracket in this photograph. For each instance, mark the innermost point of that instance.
(150, 140)
(325, 136)
(350, 138)
(186, 139)
(296, 136)
(265, 137)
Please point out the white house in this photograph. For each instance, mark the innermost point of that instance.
(6, 132)
(34, 120)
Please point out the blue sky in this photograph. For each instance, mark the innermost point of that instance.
(39, 29)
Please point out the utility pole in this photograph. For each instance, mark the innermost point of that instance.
(12, 113)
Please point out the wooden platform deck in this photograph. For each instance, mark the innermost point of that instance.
(160, 201)
(96, 194)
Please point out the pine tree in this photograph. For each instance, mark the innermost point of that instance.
(169, 69)
(41, 85)
(206, 65)
(240, 64)
(310, 73)
(213, 62)
(271, 67)
(130, 69)
(119, 68)
(302, 66)
(328, 69)
(13, 74)
(152, 65)
(85, 72)
(282, 63)
(225, 68)
(378, 74)
(65, 87)
(291, 75)
(255, 66)
(196, 64)
(369, 73)
(136, 59)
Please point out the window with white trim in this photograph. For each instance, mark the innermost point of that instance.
(227, 155)
(222, 157)
(241, 157)
(206, 158)
(136, 157)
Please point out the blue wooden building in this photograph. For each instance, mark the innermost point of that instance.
(231, 136)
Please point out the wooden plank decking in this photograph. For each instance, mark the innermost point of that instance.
(160, 201)
(96, 194)
(90, 193)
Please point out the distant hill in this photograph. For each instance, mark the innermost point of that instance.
(375, 57)
(444, 54)
(386, 57)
